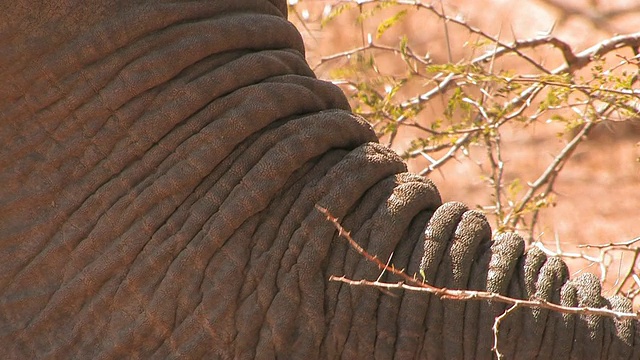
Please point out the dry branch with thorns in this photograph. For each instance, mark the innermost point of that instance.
(414, 283)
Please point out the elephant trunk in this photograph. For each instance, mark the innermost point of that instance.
(161, 170)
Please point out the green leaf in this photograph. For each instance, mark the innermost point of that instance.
(514, 188)
(335, 12)
(388, 23)
(404, 40)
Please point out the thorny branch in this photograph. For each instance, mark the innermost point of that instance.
(604, 259)
(547, 178)
(613, 245)
(412, 283)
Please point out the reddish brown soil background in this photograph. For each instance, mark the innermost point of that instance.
(598, 192)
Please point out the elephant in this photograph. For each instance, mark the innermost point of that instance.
(161, 164)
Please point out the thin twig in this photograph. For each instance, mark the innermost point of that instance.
(462, 141)
(451, 294)
(496, 327)
(548, 176)
(412, 283)
(616, 244)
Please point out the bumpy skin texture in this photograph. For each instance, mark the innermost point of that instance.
(160, 164)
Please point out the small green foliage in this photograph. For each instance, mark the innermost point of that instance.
(556, 96)
(514, 188)
(456, 103)
(456, 69)
(337, 11)
(379, 5)
(389, 22)
(404, 43)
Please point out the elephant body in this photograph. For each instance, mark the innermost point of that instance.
(160, 167)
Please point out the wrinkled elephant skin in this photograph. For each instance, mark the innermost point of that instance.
(160, 166)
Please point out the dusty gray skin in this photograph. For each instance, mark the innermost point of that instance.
(160, 164)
